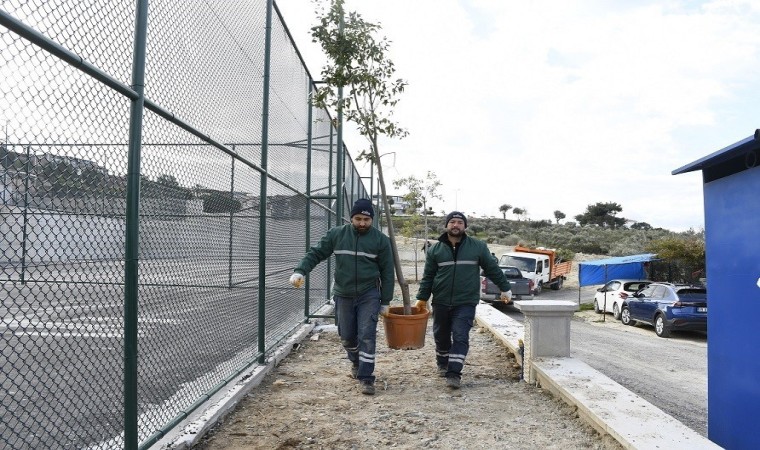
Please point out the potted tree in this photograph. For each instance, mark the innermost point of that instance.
(358, 61)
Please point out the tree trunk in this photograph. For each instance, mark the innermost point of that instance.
(391, 232)
(416, 274)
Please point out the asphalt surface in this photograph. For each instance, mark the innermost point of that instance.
(62, 359)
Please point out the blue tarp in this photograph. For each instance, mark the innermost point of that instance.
(622, 267)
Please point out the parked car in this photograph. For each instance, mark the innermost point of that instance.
(667, 307)
(610, 297)
(520, 286)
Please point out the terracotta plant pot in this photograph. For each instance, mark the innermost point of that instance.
(405, 332)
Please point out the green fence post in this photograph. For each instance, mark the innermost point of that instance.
(339, 175)
(26, 209)
(329, 216)
(232, 213)
(307, 237)
(132, 246)
(264, 175)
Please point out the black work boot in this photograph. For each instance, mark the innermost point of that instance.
(368, 388)
(453, 382)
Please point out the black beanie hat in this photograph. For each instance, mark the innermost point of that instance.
(455, 215)
(363, 206)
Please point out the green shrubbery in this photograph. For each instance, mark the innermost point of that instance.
(590, 239)
(682, 255)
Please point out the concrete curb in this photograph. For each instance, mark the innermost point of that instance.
(604, 404)
(612, 409)
(504, 329)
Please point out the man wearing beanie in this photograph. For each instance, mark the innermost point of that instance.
(363, 285)
(452, 276)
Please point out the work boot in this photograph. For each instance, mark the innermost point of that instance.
(354, 371)
(368, 388)
(442, 371)
(453, 382)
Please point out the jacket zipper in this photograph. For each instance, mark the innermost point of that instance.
(454, 274)
(356, 265)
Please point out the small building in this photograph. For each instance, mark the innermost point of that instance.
(398, 205)
(731, 178)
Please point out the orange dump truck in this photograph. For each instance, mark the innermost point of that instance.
(540, 265)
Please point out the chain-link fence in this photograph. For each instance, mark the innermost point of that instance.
(678, 272)
(156, 193)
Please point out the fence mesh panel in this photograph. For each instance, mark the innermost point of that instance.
(203, 163)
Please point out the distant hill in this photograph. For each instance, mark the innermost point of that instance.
(569, 237)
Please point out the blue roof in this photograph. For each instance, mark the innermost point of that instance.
(737, 149)
(601, 271)
(644, 257)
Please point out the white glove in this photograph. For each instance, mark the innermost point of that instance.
(296, 279)
(384, 310)
(506, 297)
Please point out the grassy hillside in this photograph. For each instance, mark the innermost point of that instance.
(568, 238)
(681, 257)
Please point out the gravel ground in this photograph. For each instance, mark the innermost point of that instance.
(310, 402)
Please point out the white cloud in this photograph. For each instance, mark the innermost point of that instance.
(557, 105)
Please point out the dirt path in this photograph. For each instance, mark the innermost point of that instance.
(310, 402)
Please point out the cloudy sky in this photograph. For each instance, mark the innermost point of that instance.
(556, 105)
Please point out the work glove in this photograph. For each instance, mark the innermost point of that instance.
(384, 310)
(296, 279)
(506, 297)
(421, 306)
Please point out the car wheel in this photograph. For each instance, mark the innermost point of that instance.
(557, 286)
(616, 312)
(539, 288)
(625, 316)
(660, 327)
(596, 307)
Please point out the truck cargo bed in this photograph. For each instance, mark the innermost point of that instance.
(562, 269)
(520, 286)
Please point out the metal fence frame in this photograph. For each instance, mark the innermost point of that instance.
(331, 201)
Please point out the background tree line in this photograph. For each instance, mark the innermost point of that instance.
(682, 254)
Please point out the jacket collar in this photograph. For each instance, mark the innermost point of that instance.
(445, 238)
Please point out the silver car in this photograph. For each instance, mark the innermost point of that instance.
(609, 298)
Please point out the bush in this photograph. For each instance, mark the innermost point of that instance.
(598, 240)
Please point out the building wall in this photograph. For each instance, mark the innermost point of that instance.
(732, 229)
(399, 205)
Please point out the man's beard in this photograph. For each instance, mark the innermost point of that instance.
(362, 230)
(454, 232)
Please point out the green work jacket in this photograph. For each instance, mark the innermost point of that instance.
(362, 261)
(452, 274)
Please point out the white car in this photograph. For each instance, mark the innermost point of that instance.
(610, 297)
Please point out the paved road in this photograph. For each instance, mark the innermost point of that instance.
(669, 373)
